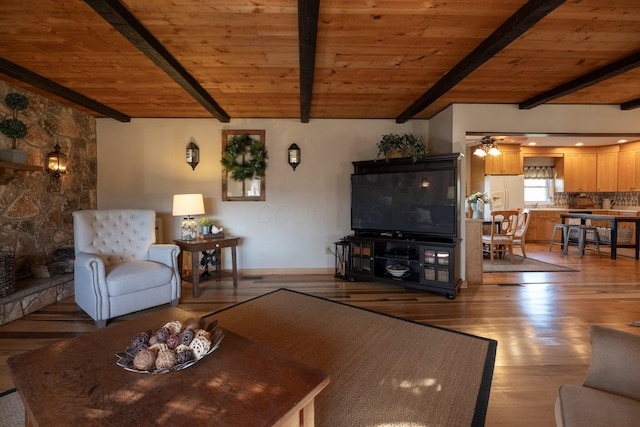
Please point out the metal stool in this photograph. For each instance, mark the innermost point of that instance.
(563, 232)
(581, 237)
(596, 238)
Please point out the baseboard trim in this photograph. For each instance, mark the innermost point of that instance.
(289, 271)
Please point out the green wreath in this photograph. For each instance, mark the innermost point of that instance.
(236, 161)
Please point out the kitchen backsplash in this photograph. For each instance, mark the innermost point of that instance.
(628, 198)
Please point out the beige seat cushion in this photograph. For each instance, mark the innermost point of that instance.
(135, 276)
(581, 406)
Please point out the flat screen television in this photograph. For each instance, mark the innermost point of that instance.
(410, 204)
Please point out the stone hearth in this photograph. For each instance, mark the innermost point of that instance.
(33, 294)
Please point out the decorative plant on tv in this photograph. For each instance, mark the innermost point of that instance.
(405, 145)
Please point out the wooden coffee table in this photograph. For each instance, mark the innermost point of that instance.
(242, 383)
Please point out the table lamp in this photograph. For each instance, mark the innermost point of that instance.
(186, 206)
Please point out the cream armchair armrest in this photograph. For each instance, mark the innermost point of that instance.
(615, 363)
(164, 253)
(91, 264)
(90, 285)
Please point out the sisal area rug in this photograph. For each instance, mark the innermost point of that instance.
(521, 264)
(385, 371)
(11, 409)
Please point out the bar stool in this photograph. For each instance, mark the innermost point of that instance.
(563, 232)
(581, 237)
(596, 238)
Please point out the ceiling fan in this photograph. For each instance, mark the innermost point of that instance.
(487, 144)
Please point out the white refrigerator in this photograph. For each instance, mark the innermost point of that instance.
(505, 192)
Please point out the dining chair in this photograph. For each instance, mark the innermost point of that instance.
(521, 230)
(503, 228)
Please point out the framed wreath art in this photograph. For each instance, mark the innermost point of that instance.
(244, 162)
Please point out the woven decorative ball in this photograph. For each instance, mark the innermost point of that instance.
(203, 333)
(141, 339)
(173, 341)
(126, 360)
(162, 334)
(174, 326)
(184, 356)
(200, 346)
(145, 360)
(157, 348)
(180, 348)
(187, 336)
(165, 360)
(136, 350)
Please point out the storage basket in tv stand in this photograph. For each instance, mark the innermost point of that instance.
(433, 265)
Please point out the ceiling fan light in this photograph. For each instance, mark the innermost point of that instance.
(479, 152)
(494, 151)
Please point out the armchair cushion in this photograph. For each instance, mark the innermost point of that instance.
(134, 276)
(615, 362)
(610, 395)
(584, 406)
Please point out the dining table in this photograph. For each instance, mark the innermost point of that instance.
(614, 221)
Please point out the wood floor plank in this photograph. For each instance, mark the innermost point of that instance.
(540, 320)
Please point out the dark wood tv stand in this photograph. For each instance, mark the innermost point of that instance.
(433, 265)
(432, 253)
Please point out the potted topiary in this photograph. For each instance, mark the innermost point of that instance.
(407, 145)
(14, 128)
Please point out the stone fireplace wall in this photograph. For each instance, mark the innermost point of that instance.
(36, 208)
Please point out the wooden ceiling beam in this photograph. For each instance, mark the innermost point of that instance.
(630, 105)
(308, 11)
(126, 24)
(20, 73)
(608, 71)
(521, 21)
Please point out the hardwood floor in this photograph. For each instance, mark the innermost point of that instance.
(540, 320)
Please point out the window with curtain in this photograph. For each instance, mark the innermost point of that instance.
(538, 183)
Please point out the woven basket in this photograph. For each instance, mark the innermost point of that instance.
(7, 271)
(604, 235)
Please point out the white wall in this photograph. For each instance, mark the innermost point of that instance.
(141, 164)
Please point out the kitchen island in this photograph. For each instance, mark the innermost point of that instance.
(614, 221)
(544, 219)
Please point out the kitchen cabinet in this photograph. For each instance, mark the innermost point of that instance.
(507, 163)
(580, 172)
(629, 170)
(541, 225)
(607, 172)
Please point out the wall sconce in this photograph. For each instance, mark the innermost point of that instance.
(193, 153)
(188, 205)
(294, 155)
(56, 162)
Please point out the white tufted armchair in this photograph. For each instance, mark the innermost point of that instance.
(118, 267)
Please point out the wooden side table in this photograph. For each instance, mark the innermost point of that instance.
(199, 245)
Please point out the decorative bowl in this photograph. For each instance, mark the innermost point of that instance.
(212, 333)
(397, 270)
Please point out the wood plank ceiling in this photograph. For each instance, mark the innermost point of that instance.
(379, 59)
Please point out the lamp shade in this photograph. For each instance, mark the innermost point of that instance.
(188, 204)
